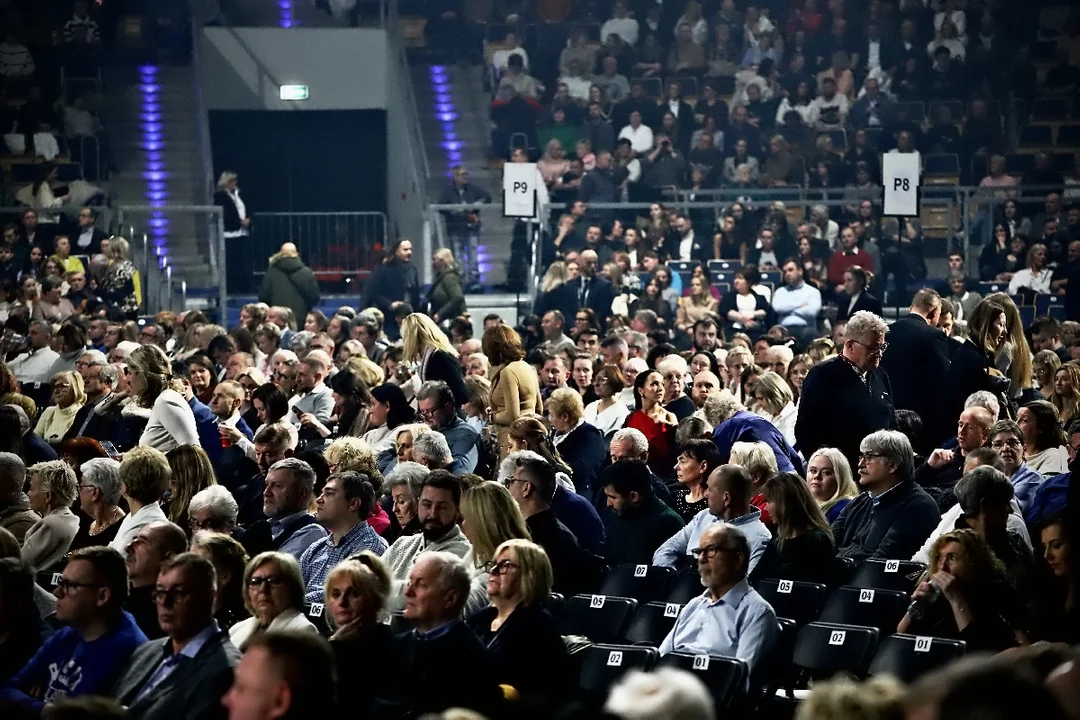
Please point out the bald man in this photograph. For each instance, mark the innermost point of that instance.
(289, 282)
(593, 291)
(941, 471)
(705, 382)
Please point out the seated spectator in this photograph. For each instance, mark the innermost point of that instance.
(939, 474)
(285, 674)
(288, 527)
(802, 548)
(489, 517)
(439, 409)
(606, 413)
(1059, 618)
(960, 595)
(580, 444)
(879, 523)
(729, 618)
(759, 461)
(342, 508)
(191, 633)
(53, 489)
(146, 553)
(356, 592)
(517, 77)
(1007, 439)
(775, 404)
(849, 255)
(437, 511)
(87, 654)
(741, 169)
(229, 559)
(829, 109)
(517, 630)
(828, 477)
(728, 495)
(402, 488)
(213, 509)
(274, 595)
(686, 56)
(1036, 276)
(21, 626)
(654, 421)
(735, 423)
(638, 522)
(431, 450)
(1044, 441)
(696, 461)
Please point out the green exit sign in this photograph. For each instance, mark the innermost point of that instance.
(294, 92)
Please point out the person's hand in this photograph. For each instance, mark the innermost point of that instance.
(396, 304)
(65, 198)
(231, 433)
(939, 458)
(246, 222)
(949, 587)
(922, 591)
(308, 419)
(435, 317)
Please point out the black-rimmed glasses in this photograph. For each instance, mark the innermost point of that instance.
(874, 349)
(709, 551)
(500, 568)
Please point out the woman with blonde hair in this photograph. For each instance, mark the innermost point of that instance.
(515, 387)
(53, 489)
(775, 403)
(170, 420)
(1043, 369)
(556, 292)
(427, 345)
(876, 698)
(760, 461)
(351, 454)
(191, 472)
(121, 288)
(356, 594)
(553, 163)
(274, 595)
(489, 517)
(532, 432)
(446, 300)
(69, 397)
(404, 435)
(830, 481)
(1066, 394)
(802, 546)
(698, 305)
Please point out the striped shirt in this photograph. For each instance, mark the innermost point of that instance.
(323, 556)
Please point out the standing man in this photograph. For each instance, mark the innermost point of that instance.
(88, 241)
(237, 232)
(437, 407)
(183, 675)
(917, 363)
(463, 224)
(288, 526)
(289, 282)
(342, 508)
(847, 397)
(593, 290)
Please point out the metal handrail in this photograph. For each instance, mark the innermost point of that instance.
(416, 146)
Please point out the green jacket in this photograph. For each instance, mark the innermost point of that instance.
(445, 298)
(633, 537)
(289, 282)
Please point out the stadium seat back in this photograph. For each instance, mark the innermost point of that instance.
(686, 586)
(597, 617)
(899, 575)
(881, 609)
(824, 649)
(651, 623)
(798, 601)
(644, 583)
(907, 657)
(603, 665)
(724, 676)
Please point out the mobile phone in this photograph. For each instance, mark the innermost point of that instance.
(110, 449)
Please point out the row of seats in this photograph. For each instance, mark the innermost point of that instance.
(1042, 136)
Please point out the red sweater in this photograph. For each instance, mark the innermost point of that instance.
(842, 260)
(661, 442)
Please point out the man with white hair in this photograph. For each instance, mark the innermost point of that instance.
(631, 444)
(732, 423)
(16, 515)
(847, 397)
(664, 694)
(432, 451)
(673, 370)
(98, 418)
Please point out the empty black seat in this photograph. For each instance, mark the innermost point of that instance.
(906, 657)
(840, 571)
(644, 583)
(651, 623)
(881, 609)
(798, 601)
(899, 575)
(602, 665)
(686, 587)
(824, 649)
(554, 604)
(598, 617)
(724, 676)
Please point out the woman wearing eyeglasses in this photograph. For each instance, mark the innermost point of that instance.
(99, 501)
(274, 595)
(526, 649)
(68, 396)
(489, 517)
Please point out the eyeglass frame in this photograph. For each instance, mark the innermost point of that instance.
(710, 551)
(500, 568)
(1011, 442)
(269, 581)
(69, 585)
(171, 595)
(874, 349)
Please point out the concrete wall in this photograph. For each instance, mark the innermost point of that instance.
(405, 188)
(344, 68)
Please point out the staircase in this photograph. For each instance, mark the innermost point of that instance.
(453, 107)
(155, 134)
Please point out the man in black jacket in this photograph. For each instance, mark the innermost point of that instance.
(895, 516)
(944, 467)
(593, 290)
(290, 283)
(580, 444)
(638, 523)
(917, 363)
(98, 418)
(846, 398)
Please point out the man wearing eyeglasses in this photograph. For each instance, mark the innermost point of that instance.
(436, 404)
(847, 397)
(183, 675)
(729, 618)
(1007, 440)
(941, 471)
(86, 655)
(148, 550)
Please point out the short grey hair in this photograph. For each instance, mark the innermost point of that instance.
(13, 469)
(982, 483)
(94, 357)
(218, 500)
(666, 693)
(104, 474)
(409, 474)
(864, 325)
(894, 447)
(301, 342)
(453, 575)
(635, 339)
(720, 406)
(109, 375)
(984, 399)
(301, 472)
(433, 446)
(674, 363)
(635, 437)
(513, 460)
(782, 352)
(58, 478)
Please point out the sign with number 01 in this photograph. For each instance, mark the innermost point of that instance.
(922, 644)
(614, 658)
(701, 662)
(837, 637)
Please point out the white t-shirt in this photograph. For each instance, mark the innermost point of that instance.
(641, 140)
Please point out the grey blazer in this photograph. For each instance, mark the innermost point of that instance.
(192, 692)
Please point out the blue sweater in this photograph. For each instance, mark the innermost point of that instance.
(68, 666)
(747, 427)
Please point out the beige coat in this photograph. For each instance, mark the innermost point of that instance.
(515, 391)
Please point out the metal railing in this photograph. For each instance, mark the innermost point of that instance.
(339, 247)
(418, 152)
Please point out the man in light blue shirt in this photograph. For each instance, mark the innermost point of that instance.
(729, 618)
(797, 304)
(727, 493)
(436, 403)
